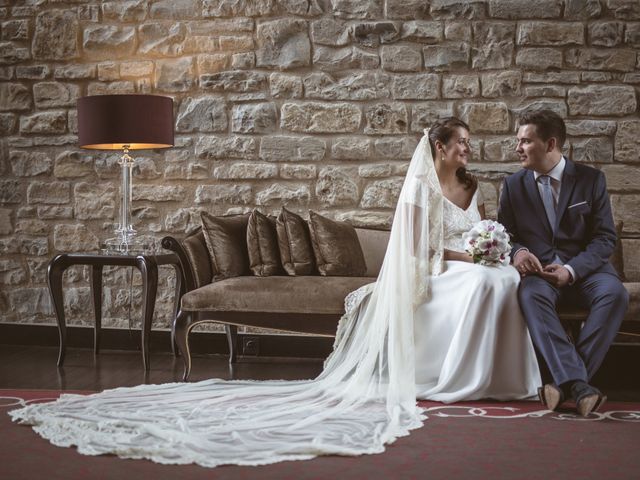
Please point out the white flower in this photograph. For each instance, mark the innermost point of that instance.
(488, 243)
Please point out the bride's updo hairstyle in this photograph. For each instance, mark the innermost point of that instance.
(443, 130)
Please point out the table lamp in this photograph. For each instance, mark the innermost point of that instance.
(125, 122)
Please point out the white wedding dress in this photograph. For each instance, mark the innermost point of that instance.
(471, 339)
(425, 329)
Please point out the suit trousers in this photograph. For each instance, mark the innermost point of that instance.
(607, 300)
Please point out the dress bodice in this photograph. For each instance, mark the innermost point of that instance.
(458, 221)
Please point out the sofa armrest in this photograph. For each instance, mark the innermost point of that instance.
(194, 259)
(188, 278)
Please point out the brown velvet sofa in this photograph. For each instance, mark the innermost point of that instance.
(303, 304)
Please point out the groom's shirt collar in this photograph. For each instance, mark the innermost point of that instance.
(555, 173)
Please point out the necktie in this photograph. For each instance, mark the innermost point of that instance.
(548, 200)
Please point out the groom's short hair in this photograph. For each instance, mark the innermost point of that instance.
(548, 124)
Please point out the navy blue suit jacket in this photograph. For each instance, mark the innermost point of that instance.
(585, 234)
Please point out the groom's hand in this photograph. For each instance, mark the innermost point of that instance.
(527, 263)
(556, 275)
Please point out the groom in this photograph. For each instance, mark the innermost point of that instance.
(559, 216)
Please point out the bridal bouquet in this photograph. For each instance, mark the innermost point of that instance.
(488, 243)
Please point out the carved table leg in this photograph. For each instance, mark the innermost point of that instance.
(96, 295)
(149, 269)
(56, 269)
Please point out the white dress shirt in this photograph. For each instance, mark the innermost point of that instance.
(556, 179)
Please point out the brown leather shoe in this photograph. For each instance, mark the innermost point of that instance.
(588, 399)
(550, 396)
(590, 403)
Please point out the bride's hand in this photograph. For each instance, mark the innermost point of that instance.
(457, 256)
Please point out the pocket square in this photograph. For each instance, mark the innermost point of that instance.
(577, 204)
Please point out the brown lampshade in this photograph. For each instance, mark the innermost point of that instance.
(109, 122)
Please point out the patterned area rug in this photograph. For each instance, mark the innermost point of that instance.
(465, 440)
(618, 411)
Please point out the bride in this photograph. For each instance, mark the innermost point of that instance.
(433, 326)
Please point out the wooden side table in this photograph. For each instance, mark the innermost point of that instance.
(148, 266)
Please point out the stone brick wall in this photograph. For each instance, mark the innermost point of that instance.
(312, 104)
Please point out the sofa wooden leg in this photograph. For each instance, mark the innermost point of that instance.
(232, 340)
(182, 326)
(174, 344)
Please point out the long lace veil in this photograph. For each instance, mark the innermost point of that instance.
(364, 398)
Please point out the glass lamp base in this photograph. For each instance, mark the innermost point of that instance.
(129, 246)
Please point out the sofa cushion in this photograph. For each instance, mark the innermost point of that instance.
(262, 245)
(336, 247)
(195, 247)
(294, 242)
(374, 247)
(279, 294)
(226, 239)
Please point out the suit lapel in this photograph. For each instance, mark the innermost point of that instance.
(536, 201)
(566, 189)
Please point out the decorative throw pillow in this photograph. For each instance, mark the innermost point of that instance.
(336, 247)
(296, 252)
(262, 245)
(226, 239)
